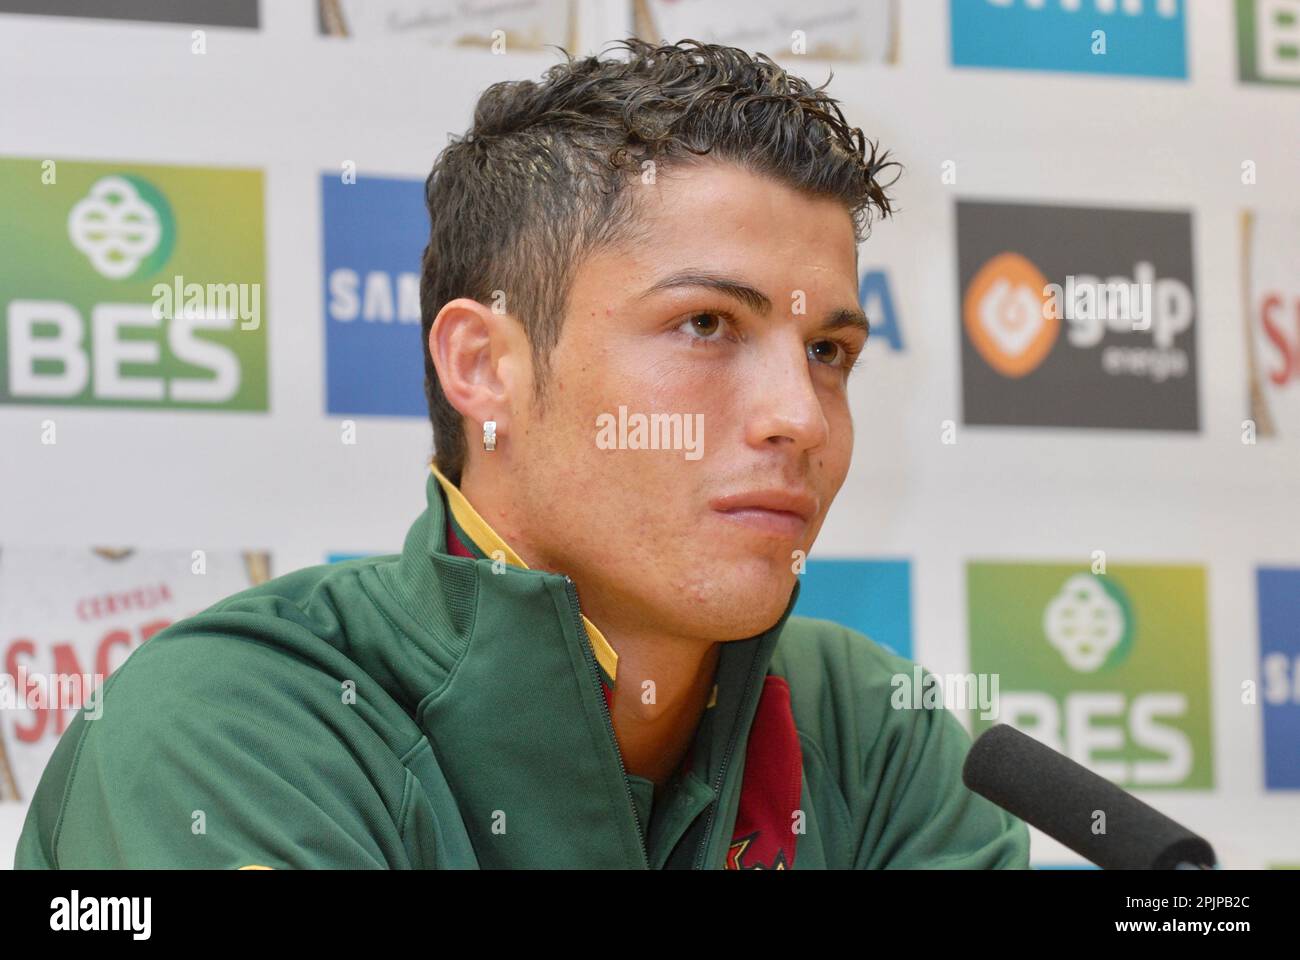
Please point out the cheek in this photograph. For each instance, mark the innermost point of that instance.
(838, 453)
(841, 423)
(688, 385)
(656, 374)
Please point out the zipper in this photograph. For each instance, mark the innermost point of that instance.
(722, 773)
(572, 590)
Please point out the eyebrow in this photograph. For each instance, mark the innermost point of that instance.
(752, 297)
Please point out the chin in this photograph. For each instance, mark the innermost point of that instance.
(738, 607)
(754, 620)
(761, 580)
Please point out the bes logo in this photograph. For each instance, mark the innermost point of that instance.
(124, 226)
(137, 287)
(1076, 317)
(1089, 623)
(1268, 41)
(1111, 669)
(1141, 38)
(1279, 650)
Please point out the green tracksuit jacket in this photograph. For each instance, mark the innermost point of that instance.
(448, 707)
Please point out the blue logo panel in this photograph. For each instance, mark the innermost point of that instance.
(1279, 670)
(877, 303)
(375, 231)
(873, 597)
(1146, 38)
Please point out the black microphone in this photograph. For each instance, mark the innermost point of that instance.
(1062, 798)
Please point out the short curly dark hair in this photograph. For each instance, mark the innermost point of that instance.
(537, 183)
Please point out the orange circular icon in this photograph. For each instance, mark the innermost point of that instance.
(1006, 314)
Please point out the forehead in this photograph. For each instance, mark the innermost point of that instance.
(718, 216)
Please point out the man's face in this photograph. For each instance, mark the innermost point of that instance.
(695, 540)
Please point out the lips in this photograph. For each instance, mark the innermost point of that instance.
(775, 511)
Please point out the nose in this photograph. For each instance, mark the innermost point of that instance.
(785, 408)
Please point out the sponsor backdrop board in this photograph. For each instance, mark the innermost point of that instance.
(1077, 424)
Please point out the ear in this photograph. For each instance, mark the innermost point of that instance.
(482, 360)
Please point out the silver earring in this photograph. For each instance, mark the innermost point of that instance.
(490, 435)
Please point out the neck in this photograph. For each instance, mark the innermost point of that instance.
(663, 686)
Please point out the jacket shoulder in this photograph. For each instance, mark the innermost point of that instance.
(824, 659)
(897, 764)
(297, 594)
(840, 683)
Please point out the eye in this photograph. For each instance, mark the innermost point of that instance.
(704, 324)
(835, 353)
(829, 356)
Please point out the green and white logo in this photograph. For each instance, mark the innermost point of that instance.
(137, 286)
(124, 226)
(1089, 622)
(1110, 668)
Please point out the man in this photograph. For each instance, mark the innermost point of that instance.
(640, 316)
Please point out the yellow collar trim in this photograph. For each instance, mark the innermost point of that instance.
(489, 541)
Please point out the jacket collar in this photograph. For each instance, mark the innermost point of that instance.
(486, 543)
(504, 683)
